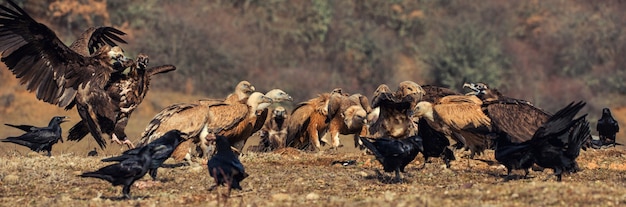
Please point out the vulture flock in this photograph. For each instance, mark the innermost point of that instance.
(94, 76)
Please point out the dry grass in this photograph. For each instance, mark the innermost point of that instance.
(290, 178)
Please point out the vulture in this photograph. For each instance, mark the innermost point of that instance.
(459, 114)
(80, 75)
(517, 119)
(39, 138)
(274, 133)
(607, 127)
(190, 118)
(556, 144)
(395, 111)
(307, 123)
(347, 115)
(235, 121)
(127, 89)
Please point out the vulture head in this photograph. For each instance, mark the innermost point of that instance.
(424, 109)
(410, 88)
(382, 92)
(279, 112)
(244, 89)
(482, 91)
(354, 117)
(257, 101)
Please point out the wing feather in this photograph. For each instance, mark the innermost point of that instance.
(519, 120)
(462, 112)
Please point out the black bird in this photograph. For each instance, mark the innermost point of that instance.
(126, 172)
(556, 144)
(162, 149)
(225, 167)
(607, 127)
(93, 152)
(434, 142)
(39, 138)
(394, 154)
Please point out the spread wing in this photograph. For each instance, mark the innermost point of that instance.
(519, 120)
(39, 58)
(96, 37)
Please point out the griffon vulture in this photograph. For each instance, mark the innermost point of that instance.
(347, 115)
(307, 123)
(61, 75)
(241, 93)
(458, 114)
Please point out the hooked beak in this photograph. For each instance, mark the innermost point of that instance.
(471, 86)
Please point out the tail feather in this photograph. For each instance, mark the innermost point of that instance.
(560, 121)
(369, 145)
(96, 175)
(78, 131)
(17, 140)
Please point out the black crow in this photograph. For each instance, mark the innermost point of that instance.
(607, 127)
(224, 166)
(162, 149)
(394, 154)
(39, 138)
(435, 143)
(513, 156)
(126, 172)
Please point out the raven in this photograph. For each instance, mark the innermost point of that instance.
(39, 138)
(125, 172)
(607, 127)
(394, 154)
(162, 149)
(435, 143)
(224, 166)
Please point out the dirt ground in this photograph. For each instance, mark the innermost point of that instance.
(289, 177)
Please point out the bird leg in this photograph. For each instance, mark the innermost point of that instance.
(126, 191)
(397, 179)
(126, 141)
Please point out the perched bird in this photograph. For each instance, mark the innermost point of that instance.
(39, 138)
(307, 123)
(161, 148)
(435, 143)
(225, 167)
(556, 144)
(77, 75)
(394, 154)
(93, 152)
(126, 172)
(607, 127)
(395, 111)
(347, 115)
(274, 133)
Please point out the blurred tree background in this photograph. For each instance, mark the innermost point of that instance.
(549, 52)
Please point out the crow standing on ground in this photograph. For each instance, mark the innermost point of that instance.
(607, 127)
(39, 138)
(126, 172)
(435, 143)
(225, 167)
(394, 154)
(162, 149)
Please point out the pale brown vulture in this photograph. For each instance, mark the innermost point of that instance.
(63, 75)
(459, 114)
(307, 123)
(241, 93)
(347, 115)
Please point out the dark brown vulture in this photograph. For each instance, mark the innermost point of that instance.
(307, 123)
(347, 115)
(395, 111)
(458, 114)
(518, 119)
(62, 75)
(274, 133)
(127, 89)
